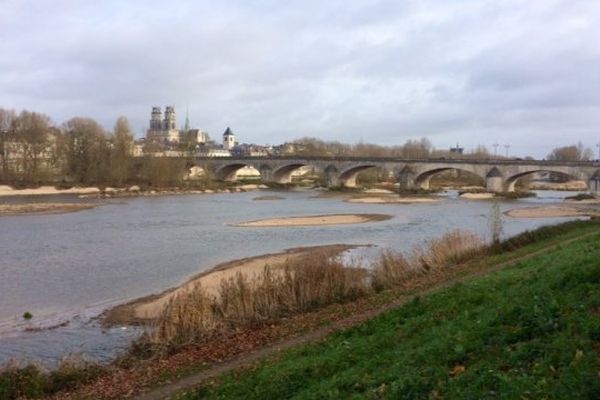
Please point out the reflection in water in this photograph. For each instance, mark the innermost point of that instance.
(70, 267)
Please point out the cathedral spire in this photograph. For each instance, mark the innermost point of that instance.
(187, 119)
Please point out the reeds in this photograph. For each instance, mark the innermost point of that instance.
(299, 285)
(396, 269)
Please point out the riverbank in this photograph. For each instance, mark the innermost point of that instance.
(129, 191)
(47, 191)
(552, 212)
(144, 310)
(486, 336)
(315, 220)
(248, 345)
(43, 208)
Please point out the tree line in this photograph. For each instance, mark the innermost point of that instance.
(34, 150)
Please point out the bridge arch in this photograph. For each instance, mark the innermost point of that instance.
(512, 180)
(283, 174)
(228, 172)
(348, 177)
(422, 180)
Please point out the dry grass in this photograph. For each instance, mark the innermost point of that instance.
(278, 291)
(396, 269)
(298, 286)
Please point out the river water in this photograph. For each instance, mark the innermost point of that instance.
(66, 269)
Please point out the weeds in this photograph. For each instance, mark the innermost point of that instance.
(298, 286)
(396, 269)
(278, 291)
(33, 380)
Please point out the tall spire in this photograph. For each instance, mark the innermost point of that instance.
(187, 119)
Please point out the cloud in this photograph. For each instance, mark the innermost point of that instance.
(382, 71)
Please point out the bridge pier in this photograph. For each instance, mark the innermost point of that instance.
(594, 184)
(494, 181)
(332, 179)
(406, 178)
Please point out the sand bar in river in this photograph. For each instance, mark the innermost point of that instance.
(551, 212)
(315, 220)
(146, 309)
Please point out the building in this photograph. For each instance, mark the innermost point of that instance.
(457, 149)
(161, 129)
(228, 139)
(208, 151)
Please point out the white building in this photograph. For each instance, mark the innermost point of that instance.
(228, 139)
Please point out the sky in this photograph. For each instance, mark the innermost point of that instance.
(518, 73)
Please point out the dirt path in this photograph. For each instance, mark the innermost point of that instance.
(248, 359)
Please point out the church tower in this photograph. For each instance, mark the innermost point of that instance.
(155, 119)
(228, 139)
(170, 120)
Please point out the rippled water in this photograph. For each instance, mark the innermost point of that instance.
(68, 268)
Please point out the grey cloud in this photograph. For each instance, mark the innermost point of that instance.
(383, 71)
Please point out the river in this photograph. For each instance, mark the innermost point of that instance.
(66, 269)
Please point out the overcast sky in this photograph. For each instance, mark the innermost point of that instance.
(524, 73)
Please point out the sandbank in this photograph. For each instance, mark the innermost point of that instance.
(391, 200)
(43, 208)
(144, 310)
(551, 212)
(314, 220)
(46, 190)
(477, 196)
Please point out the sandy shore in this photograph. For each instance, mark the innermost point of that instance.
(477, 196)
(314, 220)
(143, 310)
(47, 190)
(42, 208)
(551, 212)
(391, 200)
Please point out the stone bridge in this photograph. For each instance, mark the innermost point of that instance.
(498, 175)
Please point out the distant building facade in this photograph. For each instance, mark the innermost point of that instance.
(228, 139)
(163, 128)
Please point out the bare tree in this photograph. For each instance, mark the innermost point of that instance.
(121, 153)
(576, 152)
(7, 118)
(31, 134)
(495, 223)
(88, 151)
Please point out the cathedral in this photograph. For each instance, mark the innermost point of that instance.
(163, 129)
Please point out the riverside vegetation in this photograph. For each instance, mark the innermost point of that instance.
(531, 331)
(195, 319)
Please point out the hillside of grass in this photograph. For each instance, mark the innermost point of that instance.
(530, 331)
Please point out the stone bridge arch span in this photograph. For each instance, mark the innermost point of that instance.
(422, 178)
(228, 172)
(283, 174)
(514, 176)
(347, 177)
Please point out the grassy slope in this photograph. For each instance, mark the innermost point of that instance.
(530, 331)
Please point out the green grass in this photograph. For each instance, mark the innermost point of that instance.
(530, 331)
